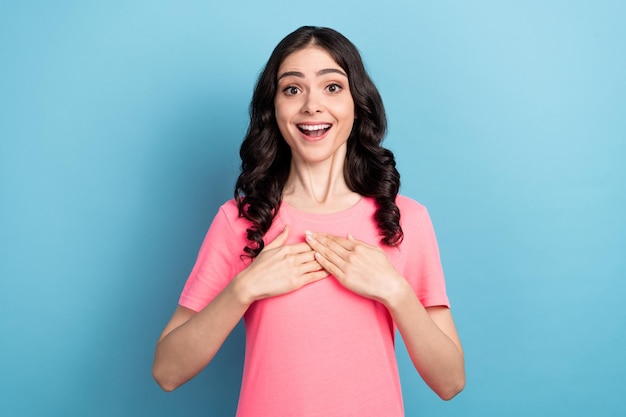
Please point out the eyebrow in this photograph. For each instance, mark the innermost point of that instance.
(320, 72)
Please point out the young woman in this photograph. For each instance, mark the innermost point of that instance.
(318, 253)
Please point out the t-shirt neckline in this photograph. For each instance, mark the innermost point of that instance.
(290, 210)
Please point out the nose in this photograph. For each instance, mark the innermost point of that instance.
(313, 103)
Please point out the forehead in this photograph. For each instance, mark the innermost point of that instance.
(311, 59)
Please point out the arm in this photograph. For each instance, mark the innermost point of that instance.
(190, 340)
(431, 340)
(429, 333)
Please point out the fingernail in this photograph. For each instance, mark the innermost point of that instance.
(308, 234)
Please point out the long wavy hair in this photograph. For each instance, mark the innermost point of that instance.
(369, 170)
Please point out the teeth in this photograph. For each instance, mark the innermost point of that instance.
(314, 127)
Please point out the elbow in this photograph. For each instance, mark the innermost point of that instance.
(166, 384)
(452, 389)
(166, 387)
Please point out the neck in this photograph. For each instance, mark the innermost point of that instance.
(319, 187)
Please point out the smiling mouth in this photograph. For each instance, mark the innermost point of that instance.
(314, 130)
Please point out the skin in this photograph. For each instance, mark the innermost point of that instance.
(313, 90)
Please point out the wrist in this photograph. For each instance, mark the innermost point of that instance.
(397, 292)
(240, 291)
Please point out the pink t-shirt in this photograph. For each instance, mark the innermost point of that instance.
(321, 350)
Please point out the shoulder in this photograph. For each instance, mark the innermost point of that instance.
(228, 213)
(230, 209)
(408, 202)
(410, 209)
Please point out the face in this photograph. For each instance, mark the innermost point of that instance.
(313, 105)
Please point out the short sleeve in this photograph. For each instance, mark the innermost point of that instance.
(423, 267)
(218, 261)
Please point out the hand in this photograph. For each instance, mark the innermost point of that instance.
(361, 268)
(279, 269)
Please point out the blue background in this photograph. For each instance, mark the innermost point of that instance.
(120, 124)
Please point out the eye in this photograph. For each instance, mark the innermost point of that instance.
(291, 90)
(334, 88)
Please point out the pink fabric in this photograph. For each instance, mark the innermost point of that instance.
(321, 350)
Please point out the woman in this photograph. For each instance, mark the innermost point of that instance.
(318, 253)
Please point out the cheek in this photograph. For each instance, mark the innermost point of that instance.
(349, 109)
(349, 127)
(282, 111)
(279, 116)
(282, 121)
(349, 113)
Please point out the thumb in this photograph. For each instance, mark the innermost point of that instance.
(279, 240)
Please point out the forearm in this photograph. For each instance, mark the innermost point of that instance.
(188, 348)
(437, 356)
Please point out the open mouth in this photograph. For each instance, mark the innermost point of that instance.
(314, 130)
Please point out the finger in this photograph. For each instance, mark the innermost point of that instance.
(313, 277)
(329, 247)
(317, 241)
(279, 240)
(304, 257)
(313, 266)
(359, 242)
(329, 254)
(335, 242)
(299, 248)
(329, 266)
